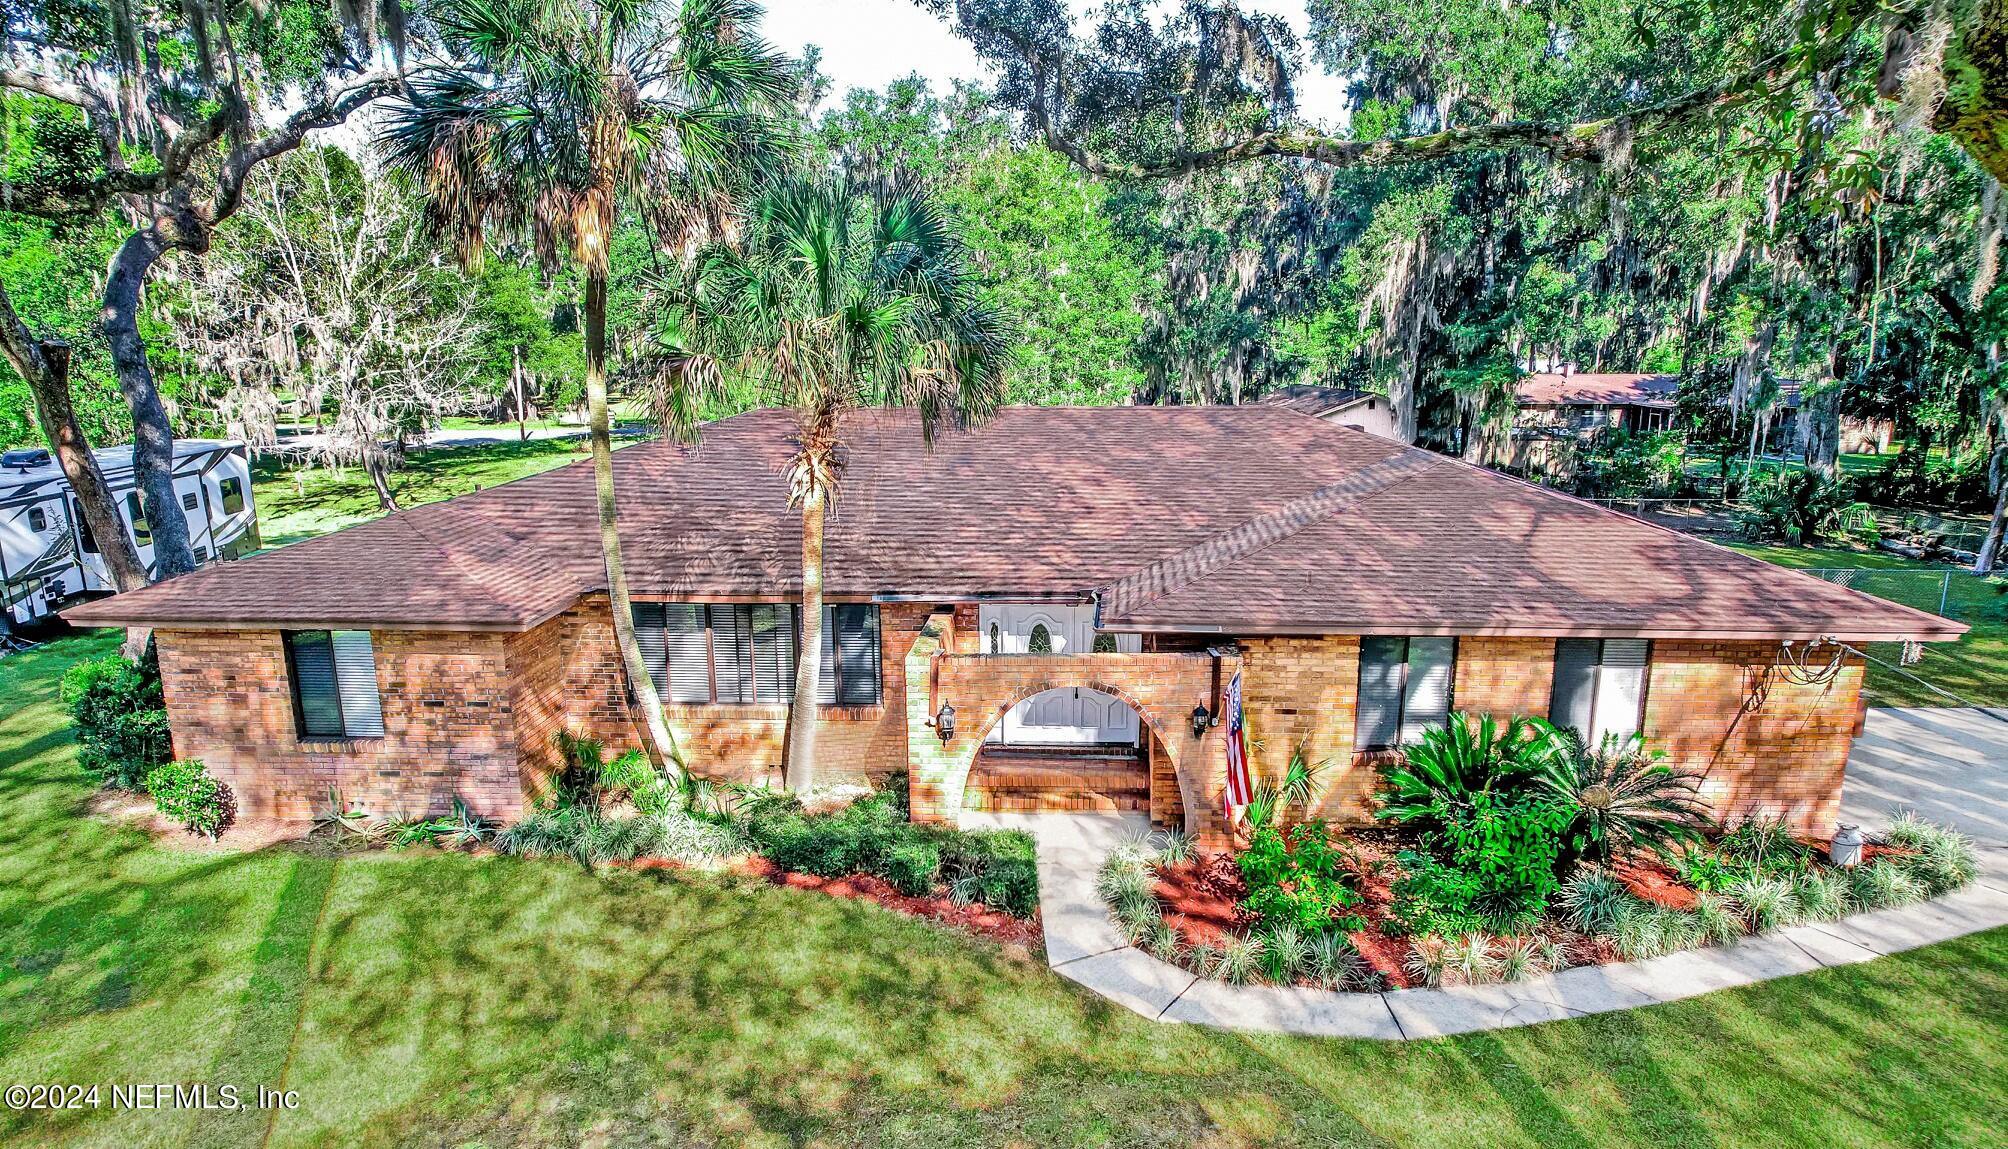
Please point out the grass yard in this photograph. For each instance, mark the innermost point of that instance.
(426, 999)
(299, 504)
(1975, 667)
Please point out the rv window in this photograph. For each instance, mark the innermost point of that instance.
(232, 490)
(202, 554)
(85, 538)
(141, 533)
(38, 519)
(188, 501)
(334, 684)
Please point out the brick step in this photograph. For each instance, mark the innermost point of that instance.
(1089, 751)
(1053, 801)
(1129, 777)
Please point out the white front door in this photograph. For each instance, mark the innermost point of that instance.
(1070, 715)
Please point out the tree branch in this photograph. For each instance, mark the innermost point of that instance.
(1592, 140)
(323, 112)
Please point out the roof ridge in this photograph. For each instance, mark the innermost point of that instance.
(1159, 578)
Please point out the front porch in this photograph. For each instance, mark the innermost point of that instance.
(1175, 777)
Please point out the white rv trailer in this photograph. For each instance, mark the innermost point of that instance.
(47, 554)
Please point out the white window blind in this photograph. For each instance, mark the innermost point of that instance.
(687, 651)
(1425, 698)
(745, 652)
(355, 674)
(1620, 689)
(1573, 706)
(1378, 713)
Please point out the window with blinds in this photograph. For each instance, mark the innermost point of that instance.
(1600, 686)
(745, 652)
(334, 684)
(1405, 688)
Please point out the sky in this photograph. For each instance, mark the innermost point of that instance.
(870, 43)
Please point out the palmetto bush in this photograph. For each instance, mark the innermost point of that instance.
(1621, 797)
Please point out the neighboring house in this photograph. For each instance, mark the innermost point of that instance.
(47, 554)
(1561, 413)
(1083, 584)
(1346, 406)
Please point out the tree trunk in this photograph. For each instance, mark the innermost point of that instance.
(45, 365)
(659, 743)
(1822, 412)
(376, 463)
(153, 435)
(1983, 563)
(522, 395)
(801, 758)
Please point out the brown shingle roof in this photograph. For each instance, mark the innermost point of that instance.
(1598, 389)
(1252, 518)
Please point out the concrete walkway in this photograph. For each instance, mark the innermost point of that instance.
(1949, 765)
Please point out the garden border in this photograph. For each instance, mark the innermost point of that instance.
(1084, 945)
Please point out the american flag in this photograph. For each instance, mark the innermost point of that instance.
(1239, 790)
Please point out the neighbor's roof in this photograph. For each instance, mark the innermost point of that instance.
(1253, 519)
(1573, 389)
(1311, 399)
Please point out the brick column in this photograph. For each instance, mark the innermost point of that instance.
(935, 774)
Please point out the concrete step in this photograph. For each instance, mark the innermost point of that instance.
(1059, 780)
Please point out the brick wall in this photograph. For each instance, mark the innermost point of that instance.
(1302, 692)
(1504, 677)
(448, 722)
(1763, 743)
(741, 742)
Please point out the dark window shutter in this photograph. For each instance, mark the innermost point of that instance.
(687, 652)
(650, 633)
(773, 628)
(857, 641)
(1575, 698)
(1378, 717)
(316, 694)
(732, 651)
(355, 678)
(1425, 700)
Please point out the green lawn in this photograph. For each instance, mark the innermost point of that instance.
(427, 999)
(1975, 667)
(298, 504)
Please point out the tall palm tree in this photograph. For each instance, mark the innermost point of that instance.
(840, 295)
(549, 117)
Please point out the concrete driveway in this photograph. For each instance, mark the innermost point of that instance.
(1949, 765)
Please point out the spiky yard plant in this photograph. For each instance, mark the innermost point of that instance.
(1944, 858)
(1766, 902)
(1717, 917)
(1593, 900)
(1621, 797)
(544, 119)
(840, 295)
(1242, 961)
(1176, 848)
(1822, 895)
(1468, 960)
(1286, 950)
(1334, 964)
(1520, 958)
(1883, 884)
(1465, 755)
(1297, 788)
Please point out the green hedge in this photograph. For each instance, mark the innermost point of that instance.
(872, 836)
(120, 719)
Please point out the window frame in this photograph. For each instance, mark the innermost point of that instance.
(136, 520)
(1595, 710)
(831, 677)
(227, 488)
(38, 520)
(1401, 691)
(288, 641)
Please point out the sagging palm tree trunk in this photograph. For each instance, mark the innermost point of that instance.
(659, 742)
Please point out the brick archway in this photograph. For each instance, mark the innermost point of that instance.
(1161, 688)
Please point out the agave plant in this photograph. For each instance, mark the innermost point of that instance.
(1464, 756)
(1622, 797)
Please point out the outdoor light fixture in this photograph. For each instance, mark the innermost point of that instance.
(1201, 719)
(944, 722)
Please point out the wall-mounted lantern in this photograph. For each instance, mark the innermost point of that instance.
(944, 722)
(1201, 719)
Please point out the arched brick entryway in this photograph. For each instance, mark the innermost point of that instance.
(1161, 688)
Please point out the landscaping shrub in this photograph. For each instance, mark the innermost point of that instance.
(995, 867)
(912, 867)
(1493, 862)
(1444, 772)
(1944, 858)
(184, 791)
(1298, 881)
(1801, 508)
(1619, 796)
(462, 827)
(121, 723)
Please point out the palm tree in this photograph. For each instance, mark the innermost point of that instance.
(550, 116)
(840, 295)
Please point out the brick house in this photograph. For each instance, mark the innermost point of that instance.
(1076, 586)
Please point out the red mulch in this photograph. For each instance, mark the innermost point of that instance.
(1201, 899)
(1653, 880)
(977, 919)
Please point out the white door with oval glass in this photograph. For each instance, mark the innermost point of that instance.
(1068, 715)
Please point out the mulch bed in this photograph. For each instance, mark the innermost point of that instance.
(978, 919)
(1201, 898)
(1654, 881)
